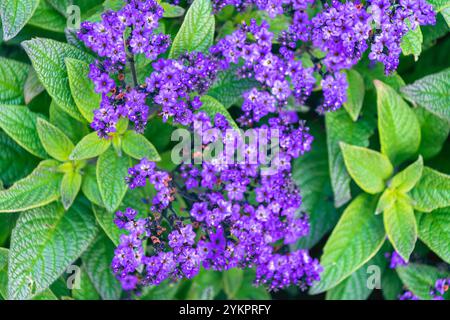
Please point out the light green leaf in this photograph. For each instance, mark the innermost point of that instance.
(434, 132)
(172, 11)
(412, 42)
(20, 124)
(106, 221)
(197, 31)
(73, 128)
(405, 180)
(387, 199)
(97, 262)
(38, 189)
(397, 124)
(89, 147)
(90, 186)
(138, 147)
(15, 15)
(420, 279)
(431, 92)
(54, 141)
(32, 87)
(356, 238)
(369, 169)
(340, 127)
(86, 291)
(401, 227)
(44, 243)
(48, 58)
(433, 231)
(212, 107)
(70, 186)
(439, 5)
(47, 18)
(432, 191)
(13, 75)
(232, 281)
(82, 88)
(355, 94)
(111, 173)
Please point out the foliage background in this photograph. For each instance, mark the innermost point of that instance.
(44, 90)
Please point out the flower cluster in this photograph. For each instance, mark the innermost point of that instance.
(437, 292)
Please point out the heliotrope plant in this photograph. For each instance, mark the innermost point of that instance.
(98, 105)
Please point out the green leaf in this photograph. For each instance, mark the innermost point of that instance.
(228, 87)
(412, 42)
(89, 185)
(48, 58)
(97, 262)
(82, 88)
(397, 124)
(172, 11)
(197, 31)
(15, 15)
(405, 180)
(20, 124)
(38, 189)
(138, 147)
(47, 18)
(111, 173)
(7, 223)
(89, 147)
(387, 199)
(369, 169)
(356, 238)
(371, 72)
(44, 243)
(73, 128)
(164, 291)
(54, 141)
(391, 284)
(340, 127)
(86, 291)
(355, 94)
(434, 132)
(310, 173)
(432, 191)
(433, 231)
(401, 227)
(70, 186)
(13, 75)
(106, 221)
(32, 87)
(431, 92)
(232, 281)
(420, 279)
(212, 107)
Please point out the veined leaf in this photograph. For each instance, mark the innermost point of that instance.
(70, 185)
(111, 173)
(431, 92)
(89, 185)
(13, 75)
(355, 93)
(401, 227)
(44, 243)
(55, 142)
(48, 18)
(82, 88)
(15, 15)
(197, 31)
(97, 262)
(38, 189)
(86, 291)
(20, 124)
(397, 124)
(89, 147)
(356, 238)
(369, 169)
(432, 191)
(32, 87)
(171, 11)
(433, 231)
(212, 107)
(138, 147)
(405, 180)
(73, 128)
(412, 42)
(48, 58)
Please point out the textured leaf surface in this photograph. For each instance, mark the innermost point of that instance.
(15, 14)
(355, 94)
(406, 179)
(111, 173)
(44, 243)
(432, 191)
(39, 188)
(89, 185)
(197, 31)
(32, 87)
(412, 43)
(434, 231)
(398, 126)
(356, 238)
(212, 107)
(97, 261)
(13, 75)
(48, 58)
(54, 141)
(368, 168)
(20, 124)
(82, 88)
(89, 147)
(70, 185)
(431, 92)
(138, 147)
(73, 128)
